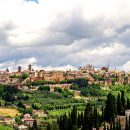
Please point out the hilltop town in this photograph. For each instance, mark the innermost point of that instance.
(103, 76)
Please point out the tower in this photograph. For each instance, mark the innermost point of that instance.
(19, 68)
(7, 70)
(30, 67)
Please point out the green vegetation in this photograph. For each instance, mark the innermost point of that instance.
(90, 90)
(54, 103)
(94, 90)
(9, 93)
(94, 117)
(5, 128)
(104, 104)
(14, 76)
(97, 89)
(110, 108)
(22, 76)
(52, 100)
(58, 89)
(44, 88)
(98, 77)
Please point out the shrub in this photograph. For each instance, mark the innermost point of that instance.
(58, 89)
(93, 91)
(44, 88)
(74, 87)
(24, 76)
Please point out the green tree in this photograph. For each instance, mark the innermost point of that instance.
(44, 88)
(80, 119)
(21, 105)
(18, 119)
(88, 123)
(123, 98)
(119, 106)
(74, 87)
(110, 108)
(74, 116)
(58, 89)
(95, 117)
(9, 97)
(123, 101)
(128, 103)
(29, 110)
(81, 82)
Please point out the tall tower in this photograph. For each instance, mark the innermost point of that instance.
(19, 69)
(7, 70)
(30, 67)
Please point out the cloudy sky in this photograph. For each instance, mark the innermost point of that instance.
(64, 33)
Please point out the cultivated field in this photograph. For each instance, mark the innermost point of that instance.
(8, 112)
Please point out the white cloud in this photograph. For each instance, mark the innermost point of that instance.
(60, 68)
(126, 66)
(13, 65)
(27, 61)
(62, 32)
(31, 21)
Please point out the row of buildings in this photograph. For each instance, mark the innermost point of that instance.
(104, 76)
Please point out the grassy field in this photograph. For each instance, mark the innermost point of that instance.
(8, 112)
(5, 128)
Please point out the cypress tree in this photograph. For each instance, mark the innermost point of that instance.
(74, 116)
(79, 120)
(65, 122)
(82, 118)
(110, 108)
(61, 123)
(119, 105)
(70, 122)
(123, 101)
(87, 122)
(95, 117)
(128, 103)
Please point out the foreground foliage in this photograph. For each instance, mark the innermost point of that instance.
(93, 117)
